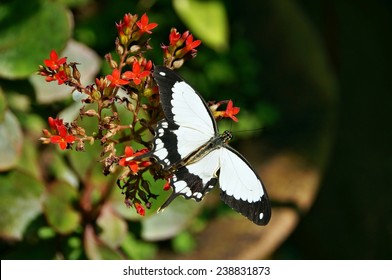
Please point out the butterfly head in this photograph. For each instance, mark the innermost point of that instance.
(226, 136)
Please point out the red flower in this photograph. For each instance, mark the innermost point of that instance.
(124, 27)
(115, 79)
(128, 159)
(127, 19)
(147, 65)
(231, 111)
(63, 139)
(55, 123)
(136, 75)
(61, 77)
(166, 186)
(144, 26)
(54, 62)
(174, 37)
(190, 45)
(140, 209)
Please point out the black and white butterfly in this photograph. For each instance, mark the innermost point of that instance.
(187, 143)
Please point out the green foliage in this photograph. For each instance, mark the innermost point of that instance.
(11, 141)
(20, 203)
(58, 209)
(38, 25)
(207, 19)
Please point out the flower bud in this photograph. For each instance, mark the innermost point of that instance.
(75, 72)
(124, 39)
(46, 132)
(134, 96)
(130, 60)
(178, 63)
(135, 48)
(148, 92)
(80, 146)
(96, 95)
(119, 49)
(131, 107)
(90, 113)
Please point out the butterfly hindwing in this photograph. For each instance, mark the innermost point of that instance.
(166, 145)
(241, 187)
(196, 179)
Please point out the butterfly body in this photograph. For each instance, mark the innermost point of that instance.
(188, 145)
(213, 144)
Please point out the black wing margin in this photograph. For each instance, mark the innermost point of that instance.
(250, 210)
(165, 84)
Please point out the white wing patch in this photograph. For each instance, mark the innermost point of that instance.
(206, 169)
(190, 140)
(237, 178)
(189, 110)
(160, 151)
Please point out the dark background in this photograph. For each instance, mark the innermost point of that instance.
(351, 217)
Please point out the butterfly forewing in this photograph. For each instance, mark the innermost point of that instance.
(182, 105)
(183, 108)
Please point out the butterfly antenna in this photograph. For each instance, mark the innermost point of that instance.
(250, 130)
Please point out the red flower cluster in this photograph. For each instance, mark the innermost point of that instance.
(132, 29)
(128, 159)
(180, 46)
(55, 68)
(59, 133)
(130, 67)
(140, 70)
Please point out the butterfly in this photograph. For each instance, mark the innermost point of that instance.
(187, 143)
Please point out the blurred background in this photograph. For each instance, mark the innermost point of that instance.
(314, 75)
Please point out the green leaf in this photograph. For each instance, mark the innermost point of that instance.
(11, 141)
(20, 196)
(117, 202)
(207, 20)
(170, 222)
(96, 249)
(84, 162)
(28, 162)
(3, 105)
(58, 207)
(114, 229)
(137, 249)
(184, 243)
(29, 30)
